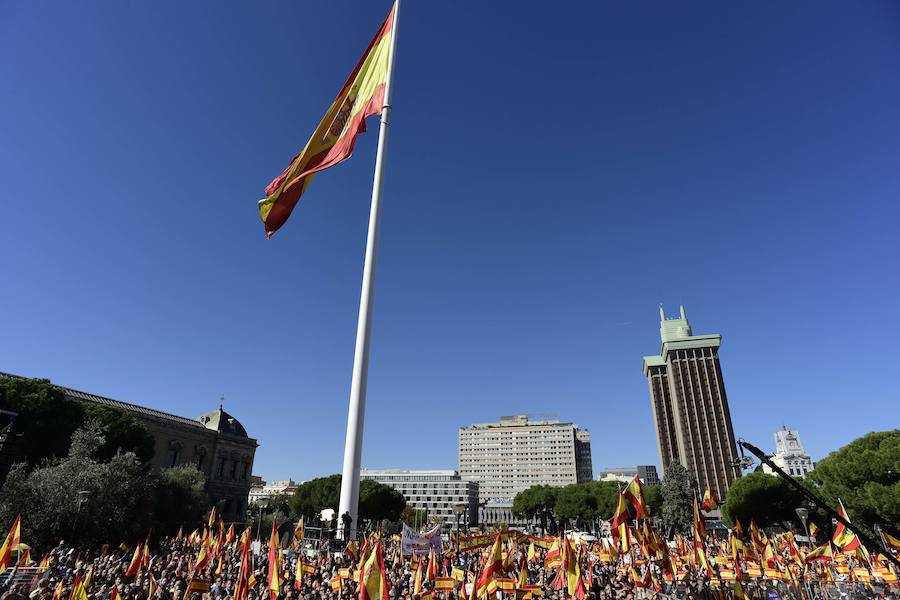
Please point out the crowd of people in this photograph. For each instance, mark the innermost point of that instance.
(207, 566)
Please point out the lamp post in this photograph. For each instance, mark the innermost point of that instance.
(803, 513)
(458, 510)
(81, 496)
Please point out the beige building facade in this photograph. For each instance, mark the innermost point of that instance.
(214, 443)
(515, 453)
(690, 407)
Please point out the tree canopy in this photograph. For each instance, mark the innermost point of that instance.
(90, 501)
(47, 420)
(766, 498)
(865, 475)
(581, 502)
(377, 501)
(313, 496)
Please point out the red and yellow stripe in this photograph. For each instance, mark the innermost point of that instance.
(361, 96)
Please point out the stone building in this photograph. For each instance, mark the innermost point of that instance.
(214, 443)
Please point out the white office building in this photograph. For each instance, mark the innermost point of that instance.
(516, 453)
(435, 492)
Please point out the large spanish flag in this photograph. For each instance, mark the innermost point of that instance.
(361, 96)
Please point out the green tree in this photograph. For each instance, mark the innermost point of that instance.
(122, 431)
(376, 501)
(653, 496)
(379, 502)
(314, 496)
(766, 498)
(677, 498)
(80, 499)
(47, 420)
(89, 501)
(865, 475)
(577, 503)
(413, 517)
(536, 502)
(605, 493)
(180, 499)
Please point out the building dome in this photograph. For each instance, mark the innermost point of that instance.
(221, 421)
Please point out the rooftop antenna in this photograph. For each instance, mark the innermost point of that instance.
(222, 402)
(662, 314)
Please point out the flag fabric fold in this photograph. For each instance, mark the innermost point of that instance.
(361, 96)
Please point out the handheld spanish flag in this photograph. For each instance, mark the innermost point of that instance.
(710, 501)
(843, 538)
(373, 583)
(134, 567)
(78, 591)
(274, 565)
(493, 565)
(362, 95)
(11, 541)
(635, 494)
(298, 530)
(619, 523)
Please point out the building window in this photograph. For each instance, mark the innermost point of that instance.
(244, 471)
(172, 458)
(234, 469)
(200, 458)
(220, 470)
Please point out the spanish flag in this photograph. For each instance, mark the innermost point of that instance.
(134, 567)
(619, 523)
(822, 553)
(493, 566)
(11, 541)
(373, 577)
(893, 542)
(78, 591)
(635, 494)
(710, 501)
(843, 538)
(274, 565)
(361, 96)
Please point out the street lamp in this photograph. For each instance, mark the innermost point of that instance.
(81, 496)
(803, 513)
(458, 510)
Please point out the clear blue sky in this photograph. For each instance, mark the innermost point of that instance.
(555, 172)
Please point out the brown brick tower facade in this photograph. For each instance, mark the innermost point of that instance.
(690, 407)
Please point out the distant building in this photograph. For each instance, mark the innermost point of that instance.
(515, 453)
(690, 407)
(583, 462)
(214, 443)
(789, 454)
(436, 492)
(263, 491)
(491, 514)
(647, 473)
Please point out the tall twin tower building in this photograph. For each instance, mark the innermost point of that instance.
(690, 408)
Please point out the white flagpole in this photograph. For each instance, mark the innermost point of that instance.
(356, 413)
